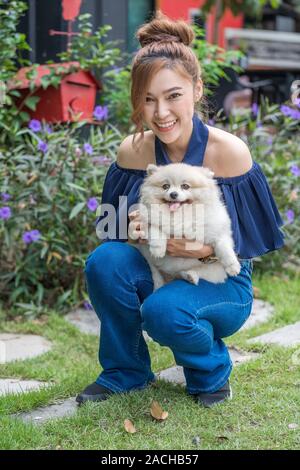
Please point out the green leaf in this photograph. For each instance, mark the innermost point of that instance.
(75, 211)
(31, 102)
(76, 186)
(24, 116)
(45, 191)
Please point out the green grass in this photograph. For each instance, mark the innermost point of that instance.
(266, 393)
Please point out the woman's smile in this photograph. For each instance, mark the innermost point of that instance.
(166, 127)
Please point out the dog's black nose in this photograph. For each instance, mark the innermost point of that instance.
(174, 195)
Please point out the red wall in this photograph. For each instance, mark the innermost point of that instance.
(179, 9)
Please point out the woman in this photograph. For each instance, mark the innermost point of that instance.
(191, 320)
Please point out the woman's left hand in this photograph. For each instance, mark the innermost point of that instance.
(182, 247)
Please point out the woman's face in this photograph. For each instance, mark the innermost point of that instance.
(170, 103)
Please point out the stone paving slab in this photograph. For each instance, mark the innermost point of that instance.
(14, 346)
(175, 374)
(88, 322)
(261, 312)
(85, 320)
(287, 336)
(60, 409)
(68, 407)
(13, 385)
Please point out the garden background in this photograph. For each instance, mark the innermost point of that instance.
(51, 178)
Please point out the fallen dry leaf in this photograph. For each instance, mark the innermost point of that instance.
(157, 411)
(129, 426)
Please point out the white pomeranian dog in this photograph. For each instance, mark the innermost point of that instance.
(183, 201)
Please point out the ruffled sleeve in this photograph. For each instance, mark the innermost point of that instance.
(254, 215)
(120, 192)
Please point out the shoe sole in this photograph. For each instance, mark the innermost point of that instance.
(93, 398)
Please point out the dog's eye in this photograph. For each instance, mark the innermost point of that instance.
(165, 186)
(185, 186)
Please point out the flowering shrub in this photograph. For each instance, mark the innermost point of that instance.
(273, 135)
(89, 51)
(50, 188)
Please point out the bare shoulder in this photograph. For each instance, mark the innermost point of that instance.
(227, 155)
(138, 159)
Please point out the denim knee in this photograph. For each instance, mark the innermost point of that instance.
(172, 327)
(105, 259)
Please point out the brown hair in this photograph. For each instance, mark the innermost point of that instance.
(165, 44)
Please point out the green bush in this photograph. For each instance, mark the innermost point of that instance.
(273, 135)
(50, 187)
(88, 51)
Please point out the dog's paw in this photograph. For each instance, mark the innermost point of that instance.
(190, 276)
(233, 269)
(157, 251)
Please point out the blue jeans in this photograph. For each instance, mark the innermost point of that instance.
(189, 319)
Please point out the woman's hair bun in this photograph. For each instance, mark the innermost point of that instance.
(163, 29)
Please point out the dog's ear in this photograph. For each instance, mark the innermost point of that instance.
(207, 172)
(151, 168)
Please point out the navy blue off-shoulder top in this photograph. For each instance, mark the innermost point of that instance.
(253, 212)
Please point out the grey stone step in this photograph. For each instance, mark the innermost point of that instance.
(85, 320)
(261, 312)
(88, 322)
(68, 407)
(60, 409)
(287, 336)
(14, 346)
(13, 386)
(175, 374)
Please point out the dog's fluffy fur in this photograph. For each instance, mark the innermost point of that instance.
(175, 192)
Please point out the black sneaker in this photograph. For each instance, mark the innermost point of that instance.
(210, 399)
(93, 392)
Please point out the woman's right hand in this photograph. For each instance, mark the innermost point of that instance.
(136, 228)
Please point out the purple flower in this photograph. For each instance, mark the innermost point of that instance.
(254, 109)
(43, 146)
(211, 122)
(297, 102)
(101, 160)
(87, 305)
(88, 149)
(31, 236)
(92, 204)
(48, 129)
(5, 196)
(5, 212)
(270, 140)
(295, 170)
(35, 125)
(35, 235)
(290, 112)
(290, 214)
(101, 113)
(285, 110)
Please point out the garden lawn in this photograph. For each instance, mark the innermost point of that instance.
(266, 393)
